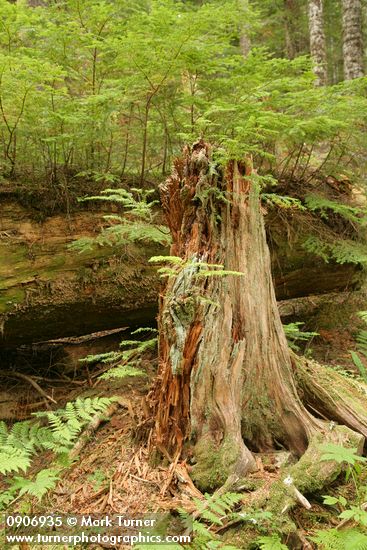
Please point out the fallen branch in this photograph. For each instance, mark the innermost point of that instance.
(30, 380)
(95, 423)
(76, 340)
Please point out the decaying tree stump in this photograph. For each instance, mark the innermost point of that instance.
(227, 383)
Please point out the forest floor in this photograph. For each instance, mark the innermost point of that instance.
(115, 475)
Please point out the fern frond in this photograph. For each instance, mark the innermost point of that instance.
(342, 252)
(145, 329)
(272, 542)
(323, 205)
(108, 357)
(294, 334)
(123, 371)
(333, 539)
(13, 459)
(44, 481)
(273, 199)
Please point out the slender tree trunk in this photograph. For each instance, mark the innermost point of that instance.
(291, 16)
(317, 40)
(245, 42)
(352, 39)
(226, 375)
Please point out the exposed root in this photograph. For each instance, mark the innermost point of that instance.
(331, 395)
(95, 423)
(309, 475)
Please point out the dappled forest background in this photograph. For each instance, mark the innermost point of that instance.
(221, 131)
(109, 90)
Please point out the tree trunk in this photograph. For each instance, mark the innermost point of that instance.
(226, 376)
(317, 40)
(352, 39)
(292, 16)
(245, 42)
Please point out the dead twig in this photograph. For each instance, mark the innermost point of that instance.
(30, 380)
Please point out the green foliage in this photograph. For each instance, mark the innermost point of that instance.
(334, 539)
(348, 456)
(340, 454)
(126, 362)
(360, 366)
(44, 481)
(193, 267)
(19, 444)
(137, 224)
(362, 349)
(324, 206)
(214, 507)
(272, 199)
(294, 334)
(356, 512)
(138, 206)
(24, 439)
(216, 511)
(344, 251)
(65, 424)
(123, 371)
(102, 89)
(13, 460)
(272, 542)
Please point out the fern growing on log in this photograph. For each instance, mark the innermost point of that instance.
(194, 267)
(273, 199)
(135, 226)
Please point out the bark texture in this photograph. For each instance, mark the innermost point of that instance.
(317, 40)
(294, 40)
(226, 381)
(352, 39)
(245, 42)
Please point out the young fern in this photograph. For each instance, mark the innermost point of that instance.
(19, 444)
(294, 334)
(361, 340)
(272, 542)
(193, 267)
(125, 362)
(66, 424)
(279, 201)
(130, 359)
(135, 226)
(44, 481)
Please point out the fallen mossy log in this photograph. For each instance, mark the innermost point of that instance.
(332, 396)
(307, 306)
(48, 292)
